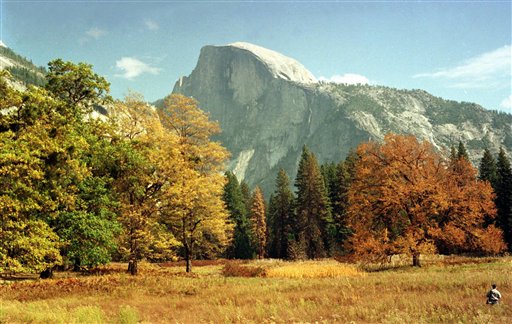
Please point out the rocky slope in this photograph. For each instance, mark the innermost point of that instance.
(23, 71)
(269, 106)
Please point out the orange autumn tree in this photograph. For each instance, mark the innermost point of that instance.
(405, 199)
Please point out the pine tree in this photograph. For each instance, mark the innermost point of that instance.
(337, 180)
(453, 154)
(488, 169)
(462, 152)
(258, 219)
(504, 196)
(246, 194)
(350, 164)
(280, 217)
(241, 246)
(340, 203)
(313, 231)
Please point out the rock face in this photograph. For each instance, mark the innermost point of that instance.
(269, 106)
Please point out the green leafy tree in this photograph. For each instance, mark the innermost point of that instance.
(77, 85)
(85, 219)
(90, 232)
(27, 243)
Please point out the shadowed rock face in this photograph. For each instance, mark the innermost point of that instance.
(269, 106)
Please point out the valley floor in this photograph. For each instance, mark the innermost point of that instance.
(322, 291)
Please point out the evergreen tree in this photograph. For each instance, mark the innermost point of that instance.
(246, 195)
(258, 219)
(313, 230)
(241, 247)
(504, 196)
(337, 181)
(462, 152)
(488, 169)
(280, 217)
(340, 203)
(453, 154)
(350, 164)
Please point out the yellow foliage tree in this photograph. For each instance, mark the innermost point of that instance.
(192, 206)
(137, 139)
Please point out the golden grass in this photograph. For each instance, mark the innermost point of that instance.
(313, 269)
(450, 293)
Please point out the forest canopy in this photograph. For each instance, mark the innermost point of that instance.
(80, 189)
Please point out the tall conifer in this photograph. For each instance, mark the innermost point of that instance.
(280, 217)
(313, 233)
(488, 169)
(241, 247)
(462, 152)
(259, 225)
(504, 196)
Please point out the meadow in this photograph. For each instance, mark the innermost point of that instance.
(449, 290)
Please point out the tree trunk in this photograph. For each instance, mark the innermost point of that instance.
(132, 267)
(46, 274)
(187, 259)
(76, 266)
(416, 260)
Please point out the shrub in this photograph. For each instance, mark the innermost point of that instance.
(234, 269)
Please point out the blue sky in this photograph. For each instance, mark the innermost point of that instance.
(458, 50)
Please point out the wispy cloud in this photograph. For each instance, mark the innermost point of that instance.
(347, 78)
(151, 24)
(507, 103)
(132, 68)
(487, 70)
(93, 33)
(96, 32)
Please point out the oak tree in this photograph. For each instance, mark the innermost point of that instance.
(192, 205)
(406, 200)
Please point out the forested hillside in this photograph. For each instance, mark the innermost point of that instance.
(21, 68)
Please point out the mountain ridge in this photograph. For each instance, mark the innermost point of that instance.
(266, 119)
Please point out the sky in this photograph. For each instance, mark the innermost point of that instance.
(458, 50)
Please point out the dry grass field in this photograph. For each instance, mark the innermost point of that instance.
(449, 291)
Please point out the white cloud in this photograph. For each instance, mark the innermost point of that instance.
(487, 70)
(347, 78)
(96, 32)
(151, 24)
(506, 103)
(133, 67)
